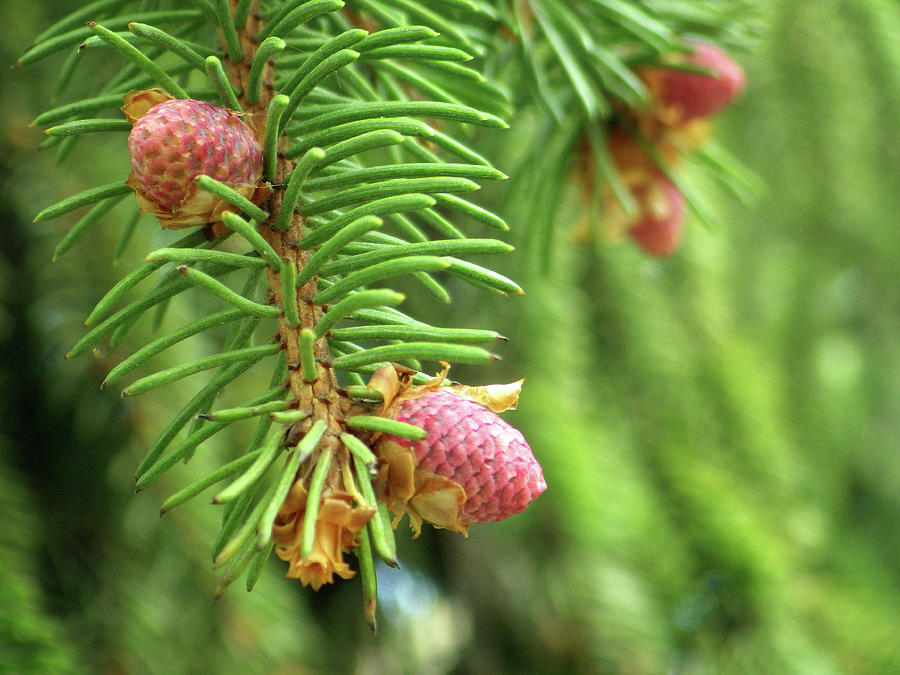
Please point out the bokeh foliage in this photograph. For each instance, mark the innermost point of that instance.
(718, 430)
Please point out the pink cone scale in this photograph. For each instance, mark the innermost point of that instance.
(469, 444)
(177, 140)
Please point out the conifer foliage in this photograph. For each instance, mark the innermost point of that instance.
(716, 428)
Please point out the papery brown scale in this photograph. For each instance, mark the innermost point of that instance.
(338, 524)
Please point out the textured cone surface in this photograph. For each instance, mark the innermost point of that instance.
(180, 139)
(472, 446)
(696, 95)
(659, 229)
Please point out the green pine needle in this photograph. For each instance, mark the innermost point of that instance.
(428, 351)
(378, 272)
(82, 199)
(387, 426)
(182, 370)
(79, 127)
(313, 499)
(162, 343)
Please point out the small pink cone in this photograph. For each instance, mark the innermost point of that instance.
(682, 95)
(470, 445)
(174, 141)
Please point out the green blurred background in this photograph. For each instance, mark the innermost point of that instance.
(718, 430)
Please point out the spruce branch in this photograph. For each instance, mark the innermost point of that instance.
(386, 153)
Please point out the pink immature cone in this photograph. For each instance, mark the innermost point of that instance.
(687, 95)
(658, 230)
(177, 140)
(470, 445)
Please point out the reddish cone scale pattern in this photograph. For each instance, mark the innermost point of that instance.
(697, 94)
(181, 139)
(470, 445)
